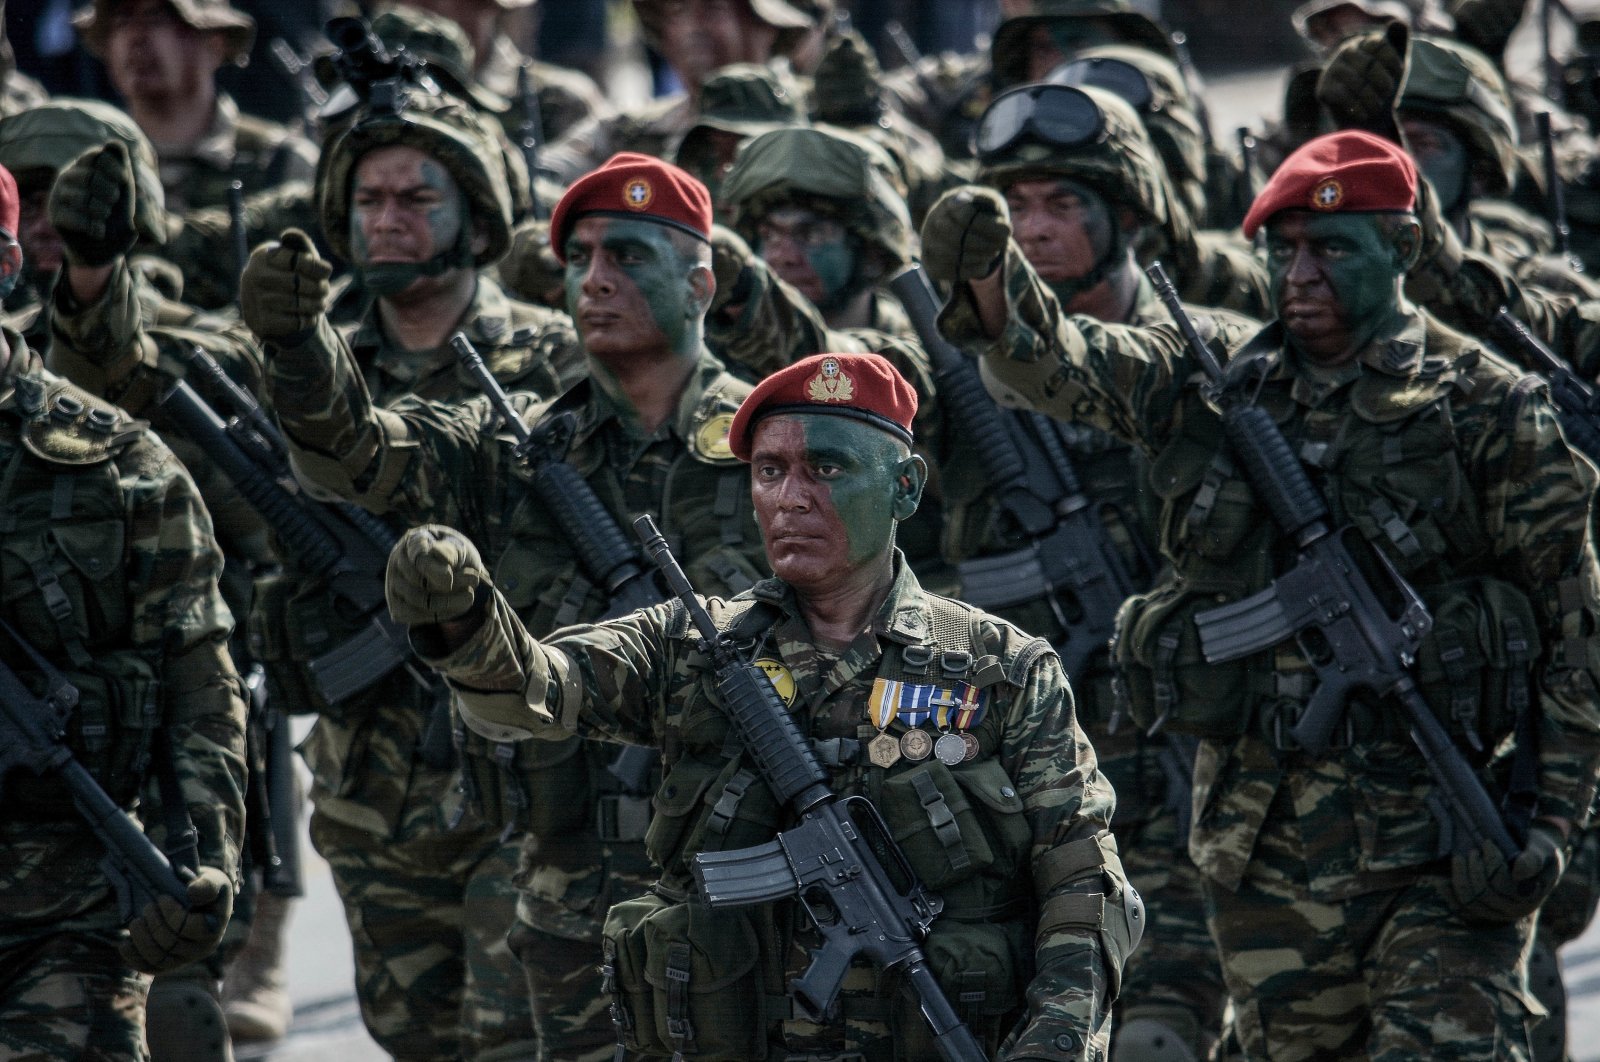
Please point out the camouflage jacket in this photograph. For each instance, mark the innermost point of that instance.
(110, 572)
(1447, 460)
(238, 147)
(643, 679)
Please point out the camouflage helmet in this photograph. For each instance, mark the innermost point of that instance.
(1120, 162)
(44, 138)
(746, 99)
(238, 29)
(1009, 52)
(833, 171)
(444, 128)
(1169, 114)
(1463, 88)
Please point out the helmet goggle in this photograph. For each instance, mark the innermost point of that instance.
(1053, 115)
(1120, 78)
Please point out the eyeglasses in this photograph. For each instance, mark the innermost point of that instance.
(1053, 115)
(1115, 76)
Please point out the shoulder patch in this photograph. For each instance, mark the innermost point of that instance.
(67, 425)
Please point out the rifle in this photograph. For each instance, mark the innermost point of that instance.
(1245, 191)
(599, 541)
(299, 70)
(1355, 618)
(285, 875)
(32, 731)
(1070, 559)
(1555, 193)
(840, 861)
(530, 137)
(1576, 402)
(907, 49)
(346, 545)
(236, 230)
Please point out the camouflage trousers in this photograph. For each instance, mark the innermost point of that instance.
(428, 909)
(1392, 975)
(69, 996)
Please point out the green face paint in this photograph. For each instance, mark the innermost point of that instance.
(424, 225)
(622, 277)
(834, 263)
(1335, 280)
(1441, 156)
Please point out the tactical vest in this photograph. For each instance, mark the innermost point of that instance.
(1386, 456)
(66, 564)
(686, 979)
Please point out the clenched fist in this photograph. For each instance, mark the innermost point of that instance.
(434, 576)
(284, 290)
(167, 934)
(92, 205)
(1486, 889)
(965, 234)
(1362, 82)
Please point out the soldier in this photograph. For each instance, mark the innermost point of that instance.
(827, 212)
(647, 430)
(115, 593)
(1078, 207)
(843, 626)
(163, 56)
(1349, 920)
(738, 102)
(697, 38)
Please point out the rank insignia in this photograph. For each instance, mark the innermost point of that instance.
(830, 384)
(1327, 195)
(637, 194)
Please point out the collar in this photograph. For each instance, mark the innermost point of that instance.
(903, 618)
(486, 322)
(705, 388)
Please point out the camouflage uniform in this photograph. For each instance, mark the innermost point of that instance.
(1325, 883)
(449, 463)
(1032, 791)
(123, 598)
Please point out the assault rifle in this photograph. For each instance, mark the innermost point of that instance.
(840, 861)
(1069, 559)
(530, 137)
(339, 542)
(1577, 404)
(32, 736)
(602, 546)
(1555, 193)
(379, 78)
(237, 233)
(1355, 618)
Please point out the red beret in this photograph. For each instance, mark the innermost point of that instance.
(865, 387)
(10, 202)
(1345, 172)
(630, 185)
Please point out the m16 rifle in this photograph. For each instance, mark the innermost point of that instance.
(1354, 617)
(1070, 559)
(1577, 403)
(1555, 195)
(530, 138)
(840, 861)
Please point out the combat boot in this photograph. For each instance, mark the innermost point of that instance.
(255, 994)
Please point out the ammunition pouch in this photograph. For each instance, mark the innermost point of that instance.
(1163, 679)
(984, 969)
(1475, 668)
(294, 621)
(955, 823)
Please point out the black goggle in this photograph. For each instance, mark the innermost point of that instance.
(1053, 115)
(1115, 76)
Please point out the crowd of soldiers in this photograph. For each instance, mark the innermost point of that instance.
(1217, 645)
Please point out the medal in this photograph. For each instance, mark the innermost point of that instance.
(950, 749)
(916, 745)
(883, 750)
(973, 748)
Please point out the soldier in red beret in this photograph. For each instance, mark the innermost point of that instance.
(1355, 915)
(924, 704)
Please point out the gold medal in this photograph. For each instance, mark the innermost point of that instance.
(950, 749)
(973, 748)
(884, 750)
(916, 745)
(711, 439)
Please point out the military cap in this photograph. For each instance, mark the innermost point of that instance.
(630, 185)
(92, 24)
(1306, 16)
(1345, 173)
(788, 18)
(864, 387)
(747, 99)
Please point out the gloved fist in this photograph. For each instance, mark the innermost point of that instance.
(285, 289)
(848, 83)
(1484, 888)
(1361, 83)
(167, 934)
(531, 269)
(91, 205)
(434, 576)
(1487, 24)
(730, 257)
(965, 234)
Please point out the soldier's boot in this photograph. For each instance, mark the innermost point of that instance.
(1544, 978)
(183, 1020)
(1159, 1034)
(255, 995)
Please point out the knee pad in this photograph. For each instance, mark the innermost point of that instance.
(1156, 1034)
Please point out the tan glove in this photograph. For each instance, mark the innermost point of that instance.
(91, 205)
(285, 289)
(965, 234)
(1487, 24)
(1362, 82)
(434, 576)
(531, 269)
(730, 258)
(1486, 889)
(167, 934)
